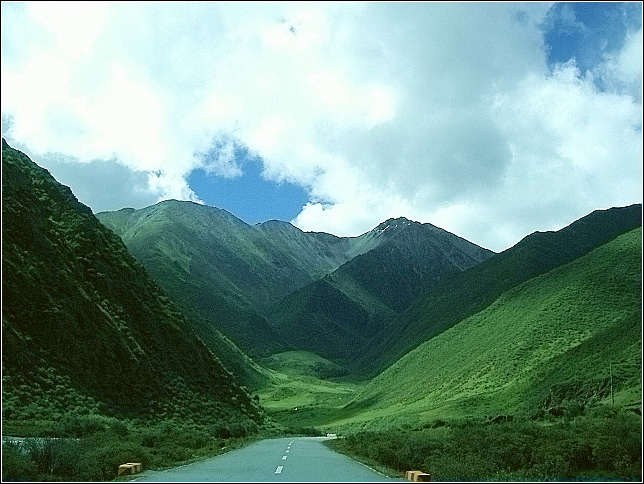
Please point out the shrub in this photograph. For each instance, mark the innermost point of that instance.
(105, 451)
(17, 465)
(607, 445)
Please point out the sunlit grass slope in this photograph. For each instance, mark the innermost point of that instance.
(468, 292)
(301, 392)
(303, 363)
(545, 346)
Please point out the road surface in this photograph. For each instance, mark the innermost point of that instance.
(296, 459)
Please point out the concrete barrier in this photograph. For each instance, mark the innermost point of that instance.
(409, 475)
(417, 476)
(130, 468)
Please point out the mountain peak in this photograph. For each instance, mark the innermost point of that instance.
(390, 223)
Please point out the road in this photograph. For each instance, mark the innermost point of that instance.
(295, 459)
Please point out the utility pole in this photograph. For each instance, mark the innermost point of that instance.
(612, 398)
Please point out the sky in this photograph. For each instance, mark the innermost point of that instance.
(489, 120)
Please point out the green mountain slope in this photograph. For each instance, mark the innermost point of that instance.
(224, 273)
(321, 319)
(249, 264)
(546, 345)
(415, 259)
(339, 315)
(228, 275)
(316, 253)
(219, 269)
(85, 329)
(472, 290)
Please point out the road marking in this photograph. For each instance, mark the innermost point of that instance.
(287, 450)
(279, 469)
(284, 457)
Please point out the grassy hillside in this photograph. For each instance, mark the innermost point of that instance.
(339, 315)
(305, 390)
(472, 290)
(322, 319)
(317, 253)
(544, 347)
(303, 363)
(85, 331)
(216, 267)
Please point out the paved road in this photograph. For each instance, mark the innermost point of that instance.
(297, 459)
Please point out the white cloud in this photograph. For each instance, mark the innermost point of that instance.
(62, 20)
(442, 112)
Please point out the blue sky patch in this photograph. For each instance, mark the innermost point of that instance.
(586, 31)
(250, 196)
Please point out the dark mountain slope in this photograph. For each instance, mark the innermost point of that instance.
(337, 316)
(415, 258)
(471, 291)
(84, 328)
(317, 253)
(322, 319)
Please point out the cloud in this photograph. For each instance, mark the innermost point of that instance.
(445, 113)
(130, 187)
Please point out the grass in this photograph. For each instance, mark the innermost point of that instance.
(297, 397)
(303, 363)
(94, 452)
(602, 445)
(545, 345)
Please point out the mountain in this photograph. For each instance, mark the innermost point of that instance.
(466, 293)
(84, 328)
(396, 262)
(229, 275)
(547, 345)
(222, 271)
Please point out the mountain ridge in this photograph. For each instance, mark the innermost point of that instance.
(470, 291)
(232, 274)
(85, 329)
(530, 351)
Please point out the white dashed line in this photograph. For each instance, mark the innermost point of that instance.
(279, 469)
(284, 457)
(287, 450)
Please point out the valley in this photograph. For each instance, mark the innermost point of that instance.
(178, 331)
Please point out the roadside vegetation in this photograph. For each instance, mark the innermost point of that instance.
(91, 447)
(604, 444)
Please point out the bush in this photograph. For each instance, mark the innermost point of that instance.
(17, 465)
(607, 447)
(105, 451)
(54, 459)
(79, 425)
